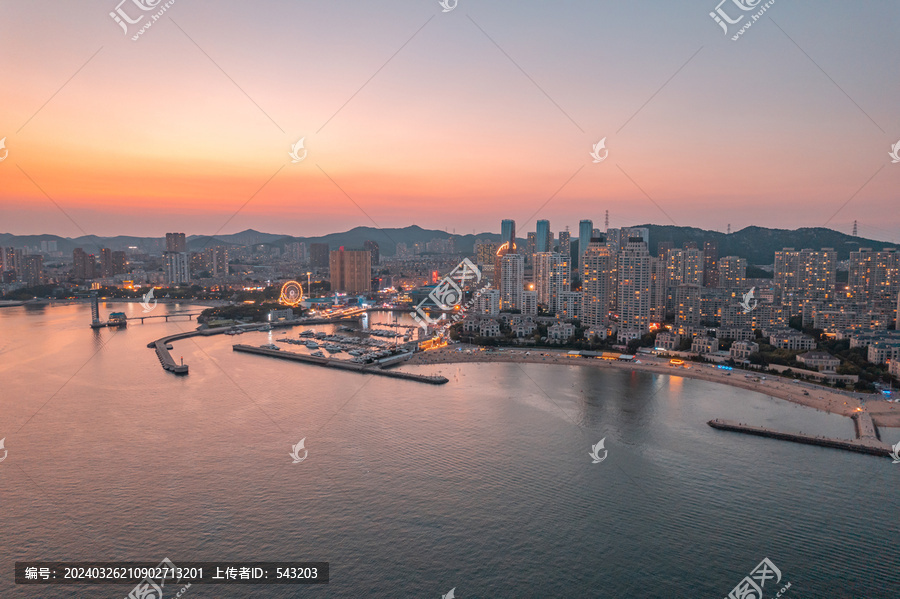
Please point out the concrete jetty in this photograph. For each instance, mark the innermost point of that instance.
(341, 364)
(869, 445)
(165, 358)
(865, 427)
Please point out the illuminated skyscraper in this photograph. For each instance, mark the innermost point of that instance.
(807, 273)
(874, 276)
(585, 232)
(565, 243)
(351, 271)
(512, 279)
(732, 272)
(634, 289)
(711, 263)
(598, 285)
(552, 277)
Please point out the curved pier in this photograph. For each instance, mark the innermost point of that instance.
(867, 444)
(165, 358)
(342, 364)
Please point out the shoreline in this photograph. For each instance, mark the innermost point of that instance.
(883, 413)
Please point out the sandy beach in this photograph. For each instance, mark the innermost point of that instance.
(820, 398)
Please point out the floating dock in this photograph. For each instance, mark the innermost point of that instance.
(865, 444)
(341, 364)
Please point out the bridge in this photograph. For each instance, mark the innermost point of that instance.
(190, 316)
(96, 323)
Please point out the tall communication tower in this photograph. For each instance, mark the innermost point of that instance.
(607, 220)
(854, 228)
(729, 229)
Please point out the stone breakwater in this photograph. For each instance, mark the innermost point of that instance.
(868, 445)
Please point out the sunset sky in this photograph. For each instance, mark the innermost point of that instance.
(446, 120)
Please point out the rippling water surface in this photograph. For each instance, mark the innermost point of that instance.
(483, 484)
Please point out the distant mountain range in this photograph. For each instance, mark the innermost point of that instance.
(757, 244)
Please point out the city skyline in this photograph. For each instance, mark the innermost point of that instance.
(453, 118)
(398, 297)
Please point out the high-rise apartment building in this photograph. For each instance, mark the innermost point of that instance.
(318, 255)
(529, 302)
(807, 273)
(685, 267)
(711, 263)
(874, 276)
(175, 242)
(351, 271)
(585, 233)
(119, 262)
(634, 289)
(372, 247)
(659, 280)
(485, 252)
(512, 279)
(565, 244)
(178, 261)
(732, 272)
(530, 247)
(687, 306)
(488, 302)
(296, 251)
(106, 266)
(178, 268)
(694, 264)
(662, 249)
(642, 232)
(598, 285)
(33, 270)
(7, 259)
(569, 304)
(84, 265)
(552, 277)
